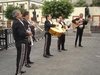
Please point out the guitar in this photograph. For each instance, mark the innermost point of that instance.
(78, 23)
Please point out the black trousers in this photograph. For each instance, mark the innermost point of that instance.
(79, 34)
(61, 42)
(21, 48)
(47, 44)
(28, 51)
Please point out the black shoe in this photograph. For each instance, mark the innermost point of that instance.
(80, 46)
(50, 55)
(59, 50)
(30, 62)
(46, 56)
(75, 46)
(23, 72)
(64, 49)
(18, 74)
(27, 65)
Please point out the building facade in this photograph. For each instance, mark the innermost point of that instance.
(26, 4)
(88, 1)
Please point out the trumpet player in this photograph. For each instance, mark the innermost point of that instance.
(20, 36)
(28, 27)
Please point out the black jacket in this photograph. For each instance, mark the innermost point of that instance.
(26, 24)
(19, 31)
(48, 25)
(84, 22)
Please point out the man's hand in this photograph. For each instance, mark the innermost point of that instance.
(34, 24)
(57, 25)
(30, 33)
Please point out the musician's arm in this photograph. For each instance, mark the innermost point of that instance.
(49, 25)
(32, 29)
(74, 21)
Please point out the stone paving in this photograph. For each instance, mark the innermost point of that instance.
(75, 61)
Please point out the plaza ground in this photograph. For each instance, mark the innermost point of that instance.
(76, 61)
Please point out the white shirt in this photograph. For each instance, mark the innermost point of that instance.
(50, 22)
(81, 25)
(62, 23)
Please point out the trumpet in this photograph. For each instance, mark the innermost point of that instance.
(39, 28)
(32, 23)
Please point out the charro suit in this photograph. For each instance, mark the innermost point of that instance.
(20, 37)
(61, 40)
(27, 25)
(80, 30)
(47, 37)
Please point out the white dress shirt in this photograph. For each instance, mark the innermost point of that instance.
(81, 25)
(50, 22)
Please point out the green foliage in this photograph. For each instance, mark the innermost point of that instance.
(91, 5)
(9, 10)
(56, 8)
(96, 3)
(80, 3)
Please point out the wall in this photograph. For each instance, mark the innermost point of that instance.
(94, 12)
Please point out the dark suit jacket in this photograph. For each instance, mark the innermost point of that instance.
(84, 22)
(48, 25)
(26, 24)
(19, 31)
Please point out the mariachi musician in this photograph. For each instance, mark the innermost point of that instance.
(47, 25)
(80, 25)
(61, 39)
(28, 27)
(20, 36)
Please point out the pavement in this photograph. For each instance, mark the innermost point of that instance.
(76, 61)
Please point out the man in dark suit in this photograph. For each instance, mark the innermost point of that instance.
(20, 36)
(30, 27)
(80, 29)
(61, 39)
(47, 25)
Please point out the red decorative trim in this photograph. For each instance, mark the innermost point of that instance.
(42, 19)
(96, 16)
(73, 17)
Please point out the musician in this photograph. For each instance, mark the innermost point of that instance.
(47, 25)
(80, 28)
(61, 39)
(20, 36)
(28, 25)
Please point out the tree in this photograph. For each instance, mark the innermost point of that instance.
(56, 8)
(9, 10)
(80, 3)
(96, 3)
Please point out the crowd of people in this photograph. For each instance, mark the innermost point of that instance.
(23, 32)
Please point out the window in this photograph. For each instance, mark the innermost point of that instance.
(0, 9)
(22, 5)
(10, 5)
